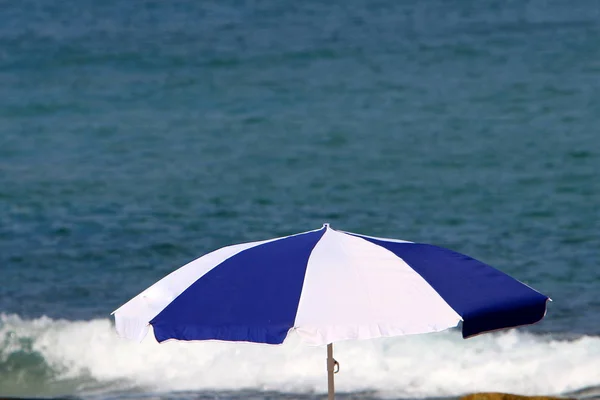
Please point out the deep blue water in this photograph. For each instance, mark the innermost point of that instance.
(138, 135)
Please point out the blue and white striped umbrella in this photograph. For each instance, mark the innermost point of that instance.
(327, 286)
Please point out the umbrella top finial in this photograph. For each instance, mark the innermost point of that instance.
(326, 225)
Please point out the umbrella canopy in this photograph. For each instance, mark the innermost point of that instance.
(328, 285)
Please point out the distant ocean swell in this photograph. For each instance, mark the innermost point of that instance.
(47, 357)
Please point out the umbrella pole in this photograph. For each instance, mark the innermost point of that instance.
(330, 367)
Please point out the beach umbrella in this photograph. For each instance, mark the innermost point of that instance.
(328, 285)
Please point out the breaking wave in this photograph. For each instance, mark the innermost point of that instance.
(58, 357)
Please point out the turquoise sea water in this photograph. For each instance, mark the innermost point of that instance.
(138, 135)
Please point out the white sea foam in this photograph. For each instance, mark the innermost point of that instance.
(440, 364)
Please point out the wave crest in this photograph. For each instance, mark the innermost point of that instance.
(56, 357)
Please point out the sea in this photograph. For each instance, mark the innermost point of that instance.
(137, 135)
